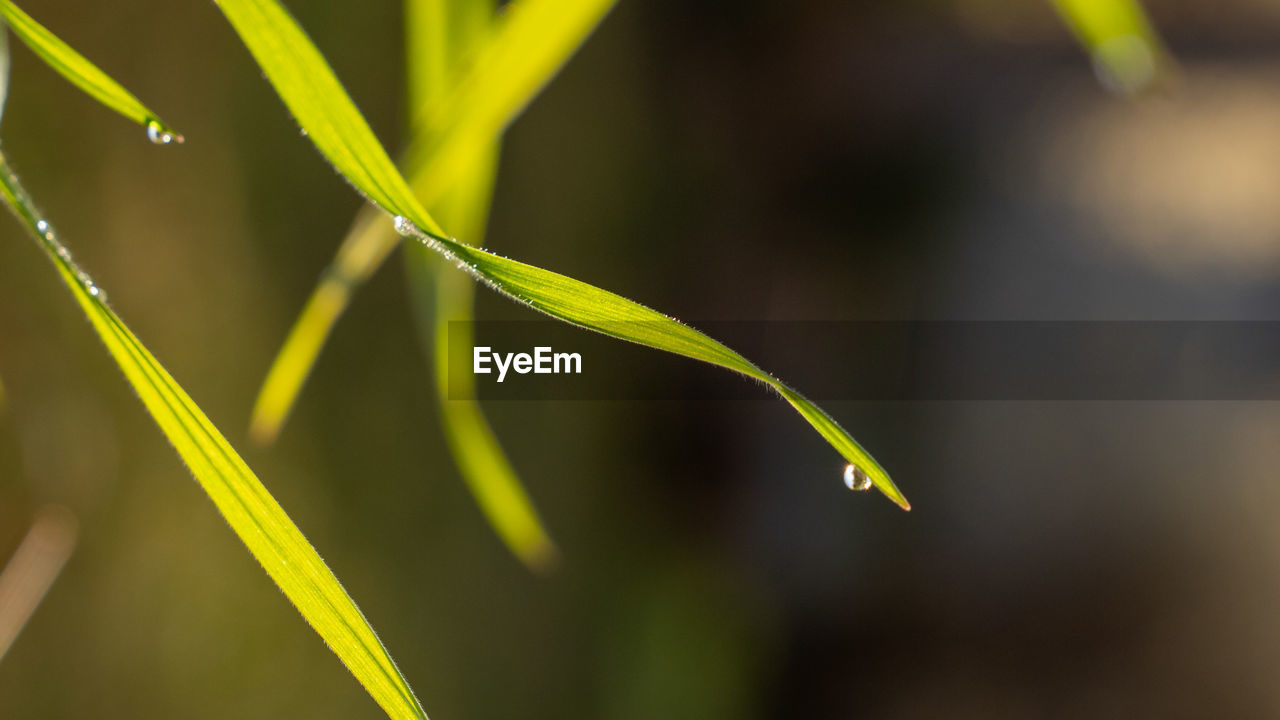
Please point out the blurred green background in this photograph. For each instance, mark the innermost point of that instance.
(823, 160)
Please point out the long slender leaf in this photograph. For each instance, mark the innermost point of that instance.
(533, 39)
(589, 307)
(532, 42)
(248, 507)
(306, 84)
(440, 35)
(443, 296)
(84, 74)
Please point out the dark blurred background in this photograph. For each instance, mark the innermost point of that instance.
(825, 160)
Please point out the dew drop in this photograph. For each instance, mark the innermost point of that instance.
(405, 227)
(158, 135)
(855, 479)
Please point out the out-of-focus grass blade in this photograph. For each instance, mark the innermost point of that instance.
(441, 296)
(84, 74)
(4, 66)
(531, 41)
(1127, 54)
(33, 568)
(307, 85)
(440, 35)
(255, 516)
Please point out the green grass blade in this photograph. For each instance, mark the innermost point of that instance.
(307, 85)
(297, 357)
(532, 41)
(1126, 51)
(441, 296)
(539, 34)
(440, 36)
(84, 74)
(305, 82)
(253, 514)
(592, 308)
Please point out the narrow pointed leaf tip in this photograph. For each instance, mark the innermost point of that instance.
(592, 308)
(248, 507)
(84, 74)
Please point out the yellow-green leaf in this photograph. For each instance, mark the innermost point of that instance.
(248, 507)
(440, 35)
(307, 85)
(84, 74)
(532, 37)
(587, 306)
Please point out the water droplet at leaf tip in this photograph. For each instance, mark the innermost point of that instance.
(158, 135)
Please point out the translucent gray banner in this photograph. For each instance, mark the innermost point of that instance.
(883, 361)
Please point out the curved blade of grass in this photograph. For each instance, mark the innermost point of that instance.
(592, 308)
(441, 296)
(253, 514)
(532, 40)
(305, 82)
(297, 356)
(1126, 51)
(84, 74)
(440, 34)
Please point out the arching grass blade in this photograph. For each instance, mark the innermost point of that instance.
(84, 74)
(307, 85)
(531, 41)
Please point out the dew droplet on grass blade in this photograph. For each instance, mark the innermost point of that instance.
(405, 227)
(51, 239)
(159, 136)
(855, 479)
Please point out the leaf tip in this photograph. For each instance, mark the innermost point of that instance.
(541, 557)
(263, 429)
(893, 493)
